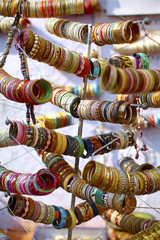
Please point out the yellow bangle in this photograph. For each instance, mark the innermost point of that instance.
(124, 81)
(64, 144)
(73, 216)
(59, 143)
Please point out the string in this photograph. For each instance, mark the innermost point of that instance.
(38, 69)
(22, 225)
(7, 204)
(18, 108)
(17, 157)
(148, 205)
(27, 151)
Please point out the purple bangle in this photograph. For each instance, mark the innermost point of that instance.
(87, 192)
(137, 62)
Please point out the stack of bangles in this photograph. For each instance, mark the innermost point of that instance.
(152, 232)
(43, 182)
(55, 120)
(115, 33)
(137, 61)
(129, 80)
(3, 236)
(120, 112)
(44, 51)
(92, 90)
(111, 180)
(129, 165)
(66, 100)
(114, 112)
(129, 223)
(64, 28)
(55, 142)
(146, 100)
(25, 91)
(42, 9)
(6, 24)
(146, 45)
(59, 217)
(83, 190)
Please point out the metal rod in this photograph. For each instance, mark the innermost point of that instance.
(80, 123)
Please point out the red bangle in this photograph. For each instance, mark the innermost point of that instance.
(86, 68)
(88, 7)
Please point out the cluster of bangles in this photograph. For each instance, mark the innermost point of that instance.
(106, 190)
(55, 142)
(146, 100)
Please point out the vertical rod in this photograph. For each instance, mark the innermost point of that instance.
(80, 123)
(100, 124)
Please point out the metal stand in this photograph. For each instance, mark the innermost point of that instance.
(80, 123)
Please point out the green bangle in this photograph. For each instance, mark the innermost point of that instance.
(45, 92)
(81, 144)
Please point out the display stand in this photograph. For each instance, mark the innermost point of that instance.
(80, 123)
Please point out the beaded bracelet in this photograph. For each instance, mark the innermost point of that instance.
(41, 183)
(57, 56)
(42, 9)
(137, 183)
(129, 223)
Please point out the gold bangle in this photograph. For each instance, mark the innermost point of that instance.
(73, 216)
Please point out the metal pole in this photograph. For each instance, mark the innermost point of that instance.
(80, 123)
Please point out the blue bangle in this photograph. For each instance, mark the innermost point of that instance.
(88, 147)
(156, 119)
(99, 195)
(94, 208)
(96, 67)
(75, 90)
(110, 33)
(63, 219)
(96, 89)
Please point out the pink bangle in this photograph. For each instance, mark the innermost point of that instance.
(132, 82)
(21, 133)
(93, 110)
